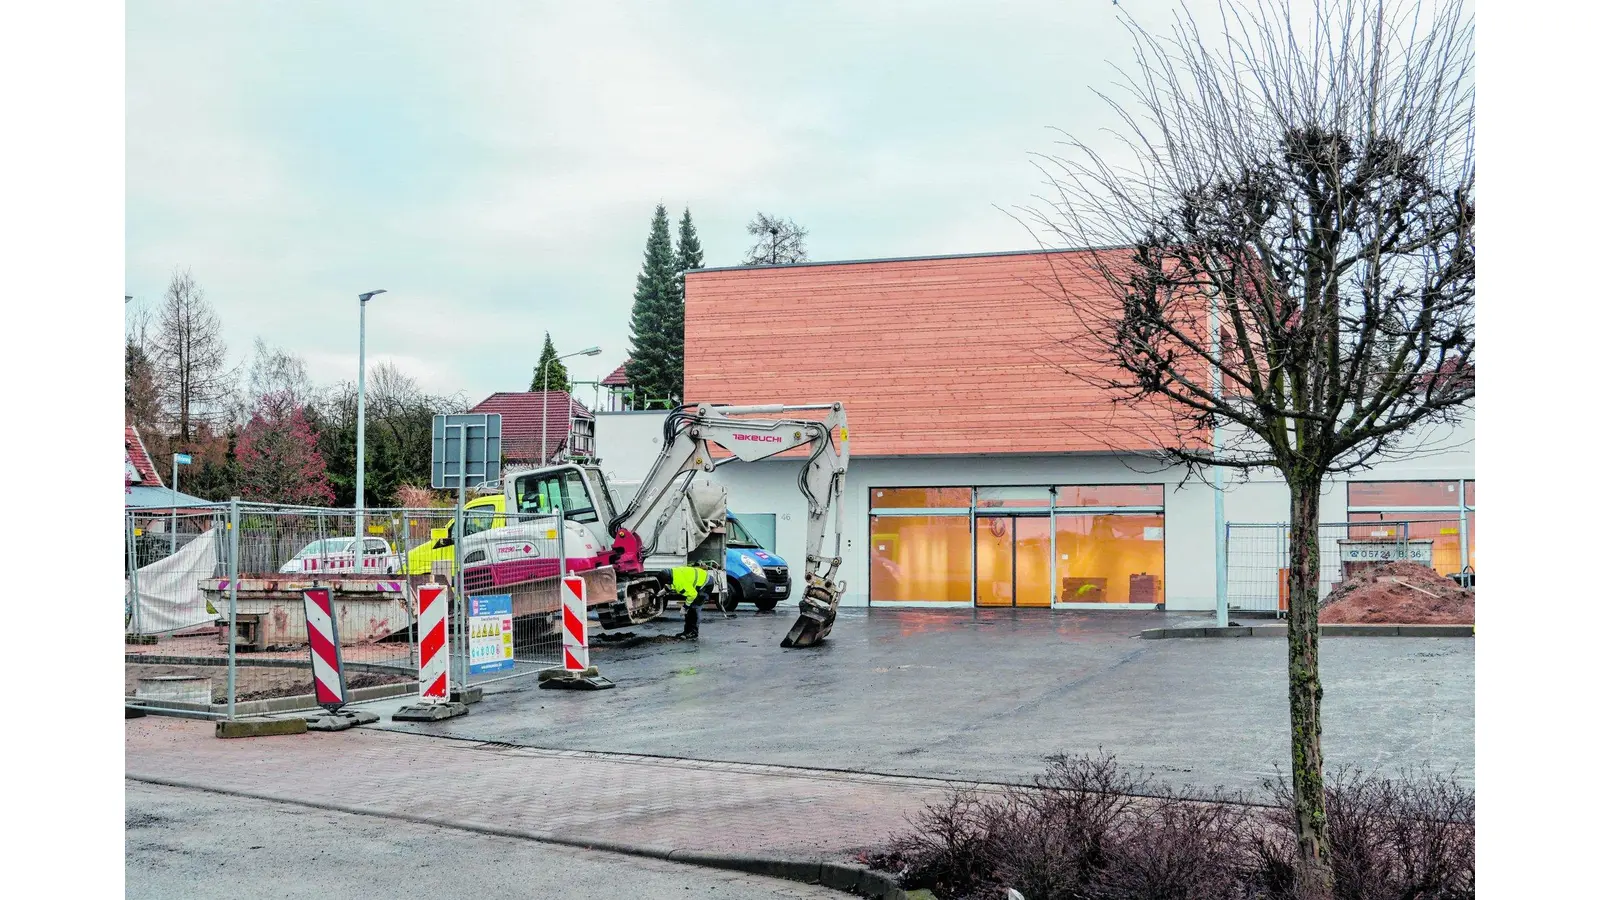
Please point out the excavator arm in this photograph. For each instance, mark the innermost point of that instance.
(689, 432)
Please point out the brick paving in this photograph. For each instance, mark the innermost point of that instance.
(652, 804)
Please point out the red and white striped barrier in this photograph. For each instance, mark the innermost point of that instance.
(574, 625)
(434, 663)
(322, 628)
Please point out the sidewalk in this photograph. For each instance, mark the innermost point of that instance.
(636, 804)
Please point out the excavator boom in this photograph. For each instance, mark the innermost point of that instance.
(688, 434)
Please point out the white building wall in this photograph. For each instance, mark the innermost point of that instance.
(1438, 453)
(629, 442)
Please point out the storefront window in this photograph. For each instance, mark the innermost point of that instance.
(1388, 494)
(921, 498)
(921, 558)
(1433, 510)
(1013, 497)
(1110, 558)
(1078, 495)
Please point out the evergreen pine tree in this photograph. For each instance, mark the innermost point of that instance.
(553, 378)
(657, 305)
(689, 256)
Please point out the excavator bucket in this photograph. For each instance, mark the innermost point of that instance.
(815, 621)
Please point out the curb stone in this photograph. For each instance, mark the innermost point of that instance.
(1328, 630)
(861, 881)
(241, 728)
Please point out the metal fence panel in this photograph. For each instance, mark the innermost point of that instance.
(1258, 559)
(281, 551)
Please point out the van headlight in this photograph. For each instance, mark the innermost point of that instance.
(751, 564)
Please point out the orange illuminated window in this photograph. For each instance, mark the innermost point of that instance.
(921, 498)
(920, 558)
(1110, 558)
(1012, 497)
(1108, 495)
(1381, 494)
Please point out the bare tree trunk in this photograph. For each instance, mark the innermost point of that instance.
(1305, 687)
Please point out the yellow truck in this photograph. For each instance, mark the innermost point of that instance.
(481, 514)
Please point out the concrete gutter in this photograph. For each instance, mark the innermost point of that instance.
(857, 880)
(1330, 630)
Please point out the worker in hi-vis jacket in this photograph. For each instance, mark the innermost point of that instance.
(694, 585)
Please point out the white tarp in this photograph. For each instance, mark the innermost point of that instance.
(169, 589)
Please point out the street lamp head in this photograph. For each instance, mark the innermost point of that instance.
(592, 351)
(370, 294)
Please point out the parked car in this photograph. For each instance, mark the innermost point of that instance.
(754, 574)
(338, 556)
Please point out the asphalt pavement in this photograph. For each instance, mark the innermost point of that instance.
(988, 695)
(196, 844)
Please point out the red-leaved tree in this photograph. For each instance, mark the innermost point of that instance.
(277, 455)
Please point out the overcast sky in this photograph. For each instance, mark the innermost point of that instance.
(494, 165)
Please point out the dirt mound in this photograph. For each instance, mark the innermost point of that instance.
(1398, 593)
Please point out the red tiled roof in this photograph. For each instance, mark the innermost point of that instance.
(619, 378)
(519, 422)
(140, 458)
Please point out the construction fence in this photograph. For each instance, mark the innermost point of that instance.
(187, 572)
(1258, 556)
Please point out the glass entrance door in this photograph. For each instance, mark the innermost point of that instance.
(1013, 561)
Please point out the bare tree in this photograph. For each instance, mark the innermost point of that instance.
(137, 318)
(190, 357)
(276, 371)
(1292, 208)
(779, 242)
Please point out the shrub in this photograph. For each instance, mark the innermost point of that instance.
(1088, 829)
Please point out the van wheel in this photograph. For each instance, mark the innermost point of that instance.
(767, 605)
(730, 600)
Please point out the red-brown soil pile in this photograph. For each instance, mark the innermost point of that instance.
(1399, 593)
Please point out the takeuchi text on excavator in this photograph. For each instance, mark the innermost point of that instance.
(672, 518)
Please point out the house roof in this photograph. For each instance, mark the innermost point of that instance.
(618, 378)
(519, 421)
(143, 497)
(139, 459)
(957, 355)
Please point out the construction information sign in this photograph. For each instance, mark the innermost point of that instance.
(489, 633)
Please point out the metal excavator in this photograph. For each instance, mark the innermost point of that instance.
(673, 520)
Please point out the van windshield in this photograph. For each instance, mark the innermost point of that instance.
(327, 546)
(738, 537)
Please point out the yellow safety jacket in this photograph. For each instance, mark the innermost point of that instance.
(687, 581)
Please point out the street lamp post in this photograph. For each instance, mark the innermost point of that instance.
(361, 423)
(544, 417)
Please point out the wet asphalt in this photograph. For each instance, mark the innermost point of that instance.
(988, 695)
(196, 844)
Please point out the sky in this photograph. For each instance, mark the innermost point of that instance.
(494, 165)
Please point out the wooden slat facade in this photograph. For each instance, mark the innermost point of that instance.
(962, 356)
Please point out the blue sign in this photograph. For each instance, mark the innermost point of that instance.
(489, 642)
(182, 459)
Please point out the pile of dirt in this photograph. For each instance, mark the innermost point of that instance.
(1398, 593)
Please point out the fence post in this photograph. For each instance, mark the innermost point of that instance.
(1405, 541)
(460, 579)
(561, 542)
(233, 602)
(403, 570)
(131, 525)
